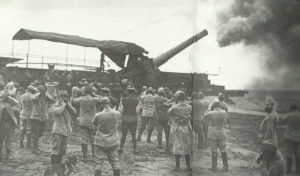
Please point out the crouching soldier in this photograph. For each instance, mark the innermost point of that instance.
(62, 112)
(216, 134)
(25, 127)
(271, 160)
(107, 139)
(8, 121)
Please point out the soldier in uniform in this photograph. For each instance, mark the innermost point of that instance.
(161, 118)
(216, 134)
(25, 114)
(8, 121)
(107, 139)
(62, 112)
(40, 106)
(181, 130)
(129, 118)
(87, 112)
(292, 139)
(271, 161)
(146, 109)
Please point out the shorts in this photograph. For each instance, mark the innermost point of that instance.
(111, 154)
(25, 125)
(217, 144)
(87, 135)
(59, 144)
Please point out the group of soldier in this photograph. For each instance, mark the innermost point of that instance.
(100, 112)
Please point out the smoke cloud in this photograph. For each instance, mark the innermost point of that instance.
(273, 25)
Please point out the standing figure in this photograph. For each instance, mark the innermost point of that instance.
(8, 121)
(129, 118)
(107, 139)
(181, 130)
(271, 161)
(216, 134)
(62, 112)
(161, 118)
(25, 114)
(87, 112)
(147, 111)
(200, 107)
(40, 106)
(292, 139)
(116, 92)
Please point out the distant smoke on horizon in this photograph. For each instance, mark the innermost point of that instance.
(273, 25)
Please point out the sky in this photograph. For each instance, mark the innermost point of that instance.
(153, 24)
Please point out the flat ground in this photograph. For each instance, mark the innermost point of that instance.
(242, 150)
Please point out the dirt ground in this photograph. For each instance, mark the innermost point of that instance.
(242, 150)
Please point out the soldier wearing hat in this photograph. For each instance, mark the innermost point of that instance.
(8, 121)
(105, 92)
(181, 130)
(25, 114)
(216, 134)
(62, 112)
(40, 111)
(129, 118)
(88, 109)
(161, 117)
(107, 139)
(146, 109)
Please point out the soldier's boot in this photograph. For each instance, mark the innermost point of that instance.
(35, 148)
(28, 137)
(298, 165)
(84, 149)
(8, 154)
(177, 161)
(98, 173)
(139, 138)
(93, 151)
(225, 161)
(214, 161)
(289, 163)
(22, 139)
(188, 163)
(149, 136)
(117, 172)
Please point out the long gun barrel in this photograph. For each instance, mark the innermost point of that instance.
(163, 58)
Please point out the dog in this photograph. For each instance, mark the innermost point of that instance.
(61, 169)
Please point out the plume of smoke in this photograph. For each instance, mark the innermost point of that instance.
(273, 24)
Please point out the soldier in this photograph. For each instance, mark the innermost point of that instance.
(87, 112)
(216, 134)
(40, 106)
(161, 118)
(107, 139)
(129, 118)
(200, 107)
(146, 110)
(269, 142)
(116, 93)
(25, 126)
(62, 112)
(292, 138)
(181, 130)
(8, 121)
